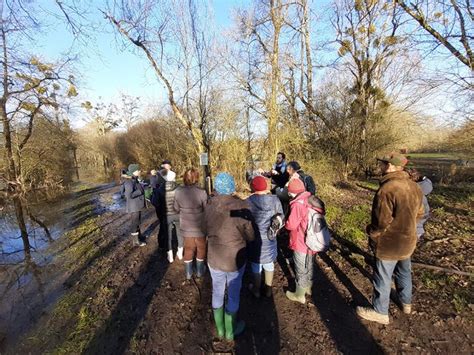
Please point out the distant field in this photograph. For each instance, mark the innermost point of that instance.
(443, 167)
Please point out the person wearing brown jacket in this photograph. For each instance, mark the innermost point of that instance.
(392, 236)
(228, 226)
(189, 202)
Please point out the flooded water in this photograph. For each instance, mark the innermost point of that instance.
(29, 287)
(58, 216)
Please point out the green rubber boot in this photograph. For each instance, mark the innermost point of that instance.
(219, 321)
(298, 295)
(233, 327)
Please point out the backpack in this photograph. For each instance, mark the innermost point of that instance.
(308, 183)
(276, 223)
(318, 236)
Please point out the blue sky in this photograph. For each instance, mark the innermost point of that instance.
(105, 67)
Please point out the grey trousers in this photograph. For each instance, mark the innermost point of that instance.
(173, 223)
(303, 269)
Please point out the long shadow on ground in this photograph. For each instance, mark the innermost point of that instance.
(115, 335)
(345, 328)
(262, 335)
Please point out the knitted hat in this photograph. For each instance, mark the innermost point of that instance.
(259, 183)
(224, 184)
(296, 186)
(132, 168)
(396, 159)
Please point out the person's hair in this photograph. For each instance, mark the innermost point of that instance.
(414, 174)
(294, 165)
(282, 154)
(123, 171)
(163, 172)
(191, 176)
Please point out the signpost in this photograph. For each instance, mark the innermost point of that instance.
(203, 159)
(204, 162)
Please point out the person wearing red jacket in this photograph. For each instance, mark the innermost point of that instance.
(297, 224)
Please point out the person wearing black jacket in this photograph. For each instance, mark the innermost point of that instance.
(156, 180)
(169, 216)
(295, 168)
(135, 202)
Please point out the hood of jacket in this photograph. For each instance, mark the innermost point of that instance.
(426, 186)
(301, 197)
(262, 202)
(395, 175)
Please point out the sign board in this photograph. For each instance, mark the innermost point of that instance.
(203, 159)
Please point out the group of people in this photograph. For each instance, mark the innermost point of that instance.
(230, 232)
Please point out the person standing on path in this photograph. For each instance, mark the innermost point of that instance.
(297, 224)
(228, 226)
(166, 196)
(265, 207)
(426, 187)
(392, 235)
(295, 171)
(156, 180)
(166, 164)
(189, 202)
(123, 177)
(135, 202)
(279, 174)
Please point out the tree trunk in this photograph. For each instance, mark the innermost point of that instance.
(272, 102)
(40, 223)
(11, 170)
(21, 224)
(76, 165)
(104, 164)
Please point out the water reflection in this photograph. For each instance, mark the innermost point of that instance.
(29, 286)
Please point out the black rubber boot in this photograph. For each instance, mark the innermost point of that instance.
(200, 268)
(188, 267)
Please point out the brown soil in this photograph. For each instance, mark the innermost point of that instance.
(130, 300)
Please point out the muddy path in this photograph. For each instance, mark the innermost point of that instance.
(122, 299)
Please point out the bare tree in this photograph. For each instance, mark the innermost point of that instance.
(129, 110)
(102, 119)
(257, 65)
(27, 87)
(177, 47)
(448, 23)
(367, 33)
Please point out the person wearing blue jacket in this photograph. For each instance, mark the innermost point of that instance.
(266, 208)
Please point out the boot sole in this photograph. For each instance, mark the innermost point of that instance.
(384, 322)
(295, 299)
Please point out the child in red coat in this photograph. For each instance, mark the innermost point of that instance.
(297, 224)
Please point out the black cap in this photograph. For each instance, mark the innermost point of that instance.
(166, 161)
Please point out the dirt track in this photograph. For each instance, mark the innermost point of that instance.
(126, 299)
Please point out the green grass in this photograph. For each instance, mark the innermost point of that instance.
(370, 185)
(349, 223)
(433, 155)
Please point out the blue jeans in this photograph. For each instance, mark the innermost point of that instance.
(233, 281)
(257, 268)
(383, 272)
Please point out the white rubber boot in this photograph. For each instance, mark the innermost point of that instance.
(179, 253)
(170, 256)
